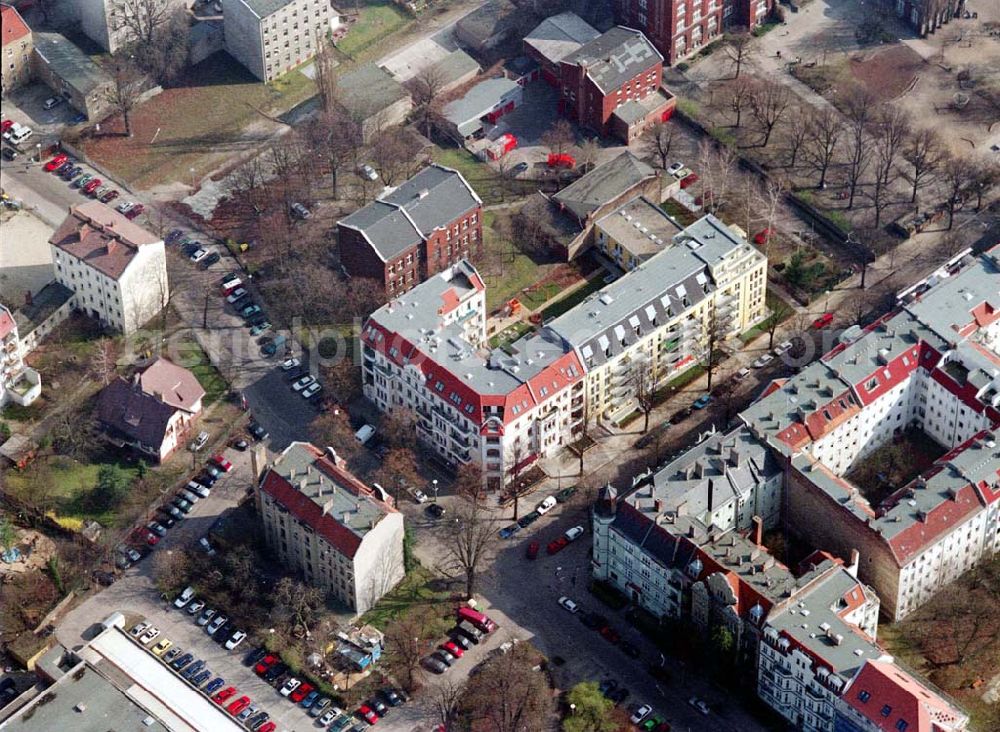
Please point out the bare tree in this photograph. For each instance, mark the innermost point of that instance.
(508, 695)
(391, 152)
(716, 164)
(587, 154)
(428, 86)
(739, 48)
(644, 387)
(248, 179)
(104, 362)
(408, 638)
(334, 137)
(768, 103)
(797, 135)
(739, 92)
(123, 93)
(559, 137)
(143, 19)
(446, 700)
(824, 131)
(714, 339)
(659, 143)
(779, 312)
(890, 130)
(297, 602)
(860, 106)
(325, 64)
(471, 544)
(985, 174)
(957, 176)
(925, 153)
(773, 195)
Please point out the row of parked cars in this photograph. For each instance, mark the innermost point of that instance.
(302, 382)
(470, 628)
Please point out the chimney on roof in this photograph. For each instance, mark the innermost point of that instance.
(84, 231)
(291, 474)
(319, 489)
(711, 491)
(303, 483)
(309, 469)
(112, 245)
(758, 531)
(658, 505)
(691, 531)
(27, 298)
(328, 507)
(852, 568)
(347, 517)
(734, 456)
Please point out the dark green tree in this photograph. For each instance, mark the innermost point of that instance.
(111, 487)
(590, 710)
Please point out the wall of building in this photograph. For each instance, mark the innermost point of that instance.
(244, 37)
(378, 563)
(93, 104)
(460, 239)
(678, 28)
(143, 288)
(15, 70)
(391, 116)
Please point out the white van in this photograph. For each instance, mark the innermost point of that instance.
(199, 441)
(364, 434)
(545, 506)
(19, 133)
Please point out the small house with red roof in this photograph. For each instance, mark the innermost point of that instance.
(322, 522)
(16, 40)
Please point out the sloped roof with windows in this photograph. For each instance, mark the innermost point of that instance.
(615, 57)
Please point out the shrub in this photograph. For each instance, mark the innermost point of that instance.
(682, 66)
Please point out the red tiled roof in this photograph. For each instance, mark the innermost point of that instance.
(174, 384)
(13, 26)
(888, 376)
(101, 237)
(886, 695)
(7, 324)
(942, 518)
(985, 314)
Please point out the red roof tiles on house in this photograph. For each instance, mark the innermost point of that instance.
(101, 237)
(12, 25)
(941, 519)
(7, 324)
(886, 696)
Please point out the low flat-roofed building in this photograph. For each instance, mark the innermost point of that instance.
(634, 232)
(68, 71)
(42, 313)
(113, 683)
(454, 70)
(373, 99)
(489, 100)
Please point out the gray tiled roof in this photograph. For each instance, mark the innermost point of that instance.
(615, 57)
(264, 8)
(400, 218)
(368, 90)
(69, 63)
(560, 35)
(603, 184)
(465, 111)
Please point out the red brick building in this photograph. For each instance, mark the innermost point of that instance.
(679, 28)
(412, 232)
(611, 85)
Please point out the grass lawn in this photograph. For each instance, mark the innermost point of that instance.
(675, 209)
(518, 273)
(574, 298)
(70, 482)
(510, 334)
(417, 588)
(199, 124)
(375, 21)
(191, 356)
(482, 177)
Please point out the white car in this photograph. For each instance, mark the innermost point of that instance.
(204, 544)
(546, 505)
(291, 685)
(199, 254)
(674, 167)
(368, 171)
(763, 361)
(199, 441)
(782, 347)
(184, 598)
(236, 639)
(303, 383)
(139, 629)
(235, 294)
(198, 489)
(52, 102)
(419, 496)
(569, 605)
(331, 715)
(699, 705)
(312, 389)
(205, 616)
(125, 206)
(574, 533)
(641, 712)
(195, 607)
(289, 364)
(152, 632)
(217, 622)
(743, 373)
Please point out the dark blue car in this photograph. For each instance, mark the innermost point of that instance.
(191, 670)
(201, 678)
(214, 685)
(183, 661)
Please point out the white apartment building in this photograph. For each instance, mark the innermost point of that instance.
(501, 411)
(116, 269)
(271, 37)
(18, 383)
(321, 521)
(656, 319)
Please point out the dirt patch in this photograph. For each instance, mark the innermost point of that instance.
(887, 73)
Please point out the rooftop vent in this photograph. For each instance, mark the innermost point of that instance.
(81, 707)
(606, 299)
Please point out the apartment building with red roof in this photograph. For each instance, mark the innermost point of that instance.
(116, 269)
(15, 50)
(323, 522)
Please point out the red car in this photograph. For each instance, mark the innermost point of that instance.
(610, 634)
(265, 663)
(147, 536)
(109, 196)
(239, 705)
(92, 186)
(6, 125)
(56, 162)
(301, 693)
(366, 713)
(557, 546)
(223, 464)
(823, 320)
(268, 727)
(223, 695)
(134, 211)
(532, 550)
(763, 237)
(689, 180)
(452, 648)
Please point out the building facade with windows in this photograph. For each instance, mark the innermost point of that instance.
(18, 383)
(272, 37)
(116, 269)
(680, 28)
(15, 50)
(612, 84)
(410, 233)
(655, 322)
(321, 521)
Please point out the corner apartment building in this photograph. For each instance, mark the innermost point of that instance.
(656, 319)
(321, 521)
(932, 365)
(271, 37)
(15, 50)
(18, 383)
(410, 233)
(612, 85)
(679, 28)
(501, 410)
(116, 269)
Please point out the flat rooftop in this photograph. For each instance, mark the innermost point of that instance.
(640, 226)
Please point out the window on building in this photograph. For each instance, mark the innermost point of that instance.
(864, 695)
(886, 710)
